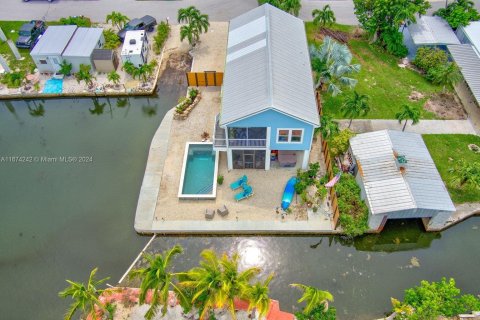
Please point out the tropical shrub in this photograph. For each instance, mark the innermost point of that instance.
(13, 79)
(306, 178)
(427, 58)
(79, 21)
(112, 41)
(163, 30)
(117, 19)
(220, 179)
(459, 13)
(183, 104)
(323, 17)
(84, 75)
(353, 210)
(445, 74)
(290, 6)
(393, 42)
(192, 93)
(196, 23)
(319, 313)
(65, 68)
(431, 300)
(129, 68)
(466, 173)
(339, 143)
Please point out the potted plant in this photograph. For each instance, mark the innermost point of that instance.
(220, 179)
(205, 136)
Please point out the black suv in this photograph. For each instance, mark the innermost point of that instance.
(29, 33)
(147, 23)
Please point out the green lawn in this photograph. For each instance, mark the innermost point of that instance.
(26, 64)
(387, 85)
(444, 147)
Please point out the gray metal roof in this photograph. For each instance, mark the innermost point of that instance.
(83, 42)
(472, 31)
(54, 40)
(387, 189)
(102, 54)
(267, 67)
(468, 59)
(432, 30)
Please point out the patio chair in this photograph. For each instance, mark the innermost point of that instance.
(209, 214)
(246, 193)
(223, 211)
(237, 184)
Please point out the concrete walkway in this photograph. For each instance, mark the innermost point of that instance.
(464, 211)
(423, 127)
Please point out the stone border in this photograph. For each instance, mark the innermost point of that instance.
(186, 112)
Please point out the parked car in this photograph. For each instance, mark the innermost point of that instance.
(147, 23)
(29, 34)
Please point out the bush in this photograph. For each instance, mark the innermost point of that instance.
(13, 79)
(306, 178)
(112, 41)
(428, 58)
(65, 68)
(318, 313)
(192, 93)
(183, 104)
(339, 143)
(393, 41)
(458, 13)
(79, 21)
(353, 210)
(220, 179)
(163, 31)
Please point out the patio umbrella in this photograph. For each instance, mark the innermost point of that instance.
(335, 179)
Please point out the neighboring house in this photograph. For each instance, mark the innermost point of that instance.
(79, 50)
(135, 48)
(428, 31)
(269, 111)
(398, 179)
(47, 53)
(105, 60)
(470, 34)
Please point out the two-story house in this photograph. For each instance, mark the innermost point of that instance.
(269, 111)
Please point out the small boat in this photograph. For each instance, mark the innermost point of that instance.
(288, 193)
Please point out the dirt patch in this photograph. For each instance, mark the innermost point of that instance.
(174, 73)
(446, 106)
(339, 36)
(416, 96)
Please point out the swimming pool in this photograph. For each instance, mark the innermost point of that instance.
(199, 171)
(53, 86)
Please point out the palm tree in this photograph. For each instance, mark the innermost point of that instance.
(85, 296)
(408, 113)
(190, 33)
(85, 75)
(144, 71)
(355, 106)
(313, 297)
(323, 17)
(257, 296)
(291, 6)
(156, 277)
(186, 15)
(328, 127)
(466, 173)
(129, 68)
(331, 63)
(196, 23)
(114, 77)
(117, 19)
(447, 74)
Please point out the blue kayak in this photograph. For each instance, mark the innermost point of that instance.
(288, 193)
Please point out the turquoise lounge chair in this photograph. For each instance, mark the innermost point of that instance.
(246, 193)
(237, 184)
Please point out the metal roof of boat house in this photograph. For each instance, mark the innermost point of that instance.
(83, 42)
(468, 59)
(472, 31)
(387, 188)
(53, 41)
(267, 67)
(432, 30)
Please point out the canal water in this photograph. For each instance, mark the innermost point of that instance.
(70, 173)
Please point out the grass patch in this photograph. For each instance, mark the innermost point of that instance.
(387, 85)
(443, 147)
(26, 64)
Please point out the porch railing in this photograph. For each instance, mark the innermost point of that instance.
(252, 143)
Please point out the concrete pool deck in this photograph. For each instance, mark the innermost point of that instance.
(159, 209)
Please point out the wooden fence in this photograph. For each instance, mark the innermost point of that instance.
(204, 79)
(329, 166)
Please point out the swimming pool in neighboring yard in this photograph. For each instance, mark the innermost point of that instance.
(199, 171)
(53, 86)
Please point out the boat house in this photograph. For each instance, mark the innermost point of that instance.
(398, 179)
(269, 112)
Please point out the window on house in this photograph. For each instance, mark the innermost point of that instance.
(43, 61)
(289, 135)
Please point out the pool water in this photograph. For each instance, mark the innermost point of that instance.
(53, 86)
(200, 169)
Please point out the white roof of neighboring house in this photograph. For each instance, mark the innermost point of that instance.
(468, 59)
(83, 42)
(133, 42)
(389, 190)
(432, 30)
(267, 67)
(472, 31)
(53, 41)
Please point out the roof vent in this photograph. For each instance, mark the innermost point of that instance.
(133, 41)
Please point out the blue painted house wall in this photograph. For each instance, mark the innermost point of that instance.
(276, 120)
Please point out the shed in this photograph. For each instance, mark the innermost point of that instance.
(470, 34)
(105, 60)
(468, 59)
(398, 178)
(431, 31)
(47, 53)
(135, 48)
(81, 46)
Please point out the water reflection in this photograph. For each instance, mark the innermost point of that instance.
(38, 110)
(253, 253)
(97, 107)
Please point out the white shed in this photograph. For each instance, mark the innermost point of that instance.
(135, 48)
(81, 46)
(398, 179)
(47, 53)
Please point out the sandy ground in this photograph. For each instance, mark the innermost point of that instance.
(268, 186)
